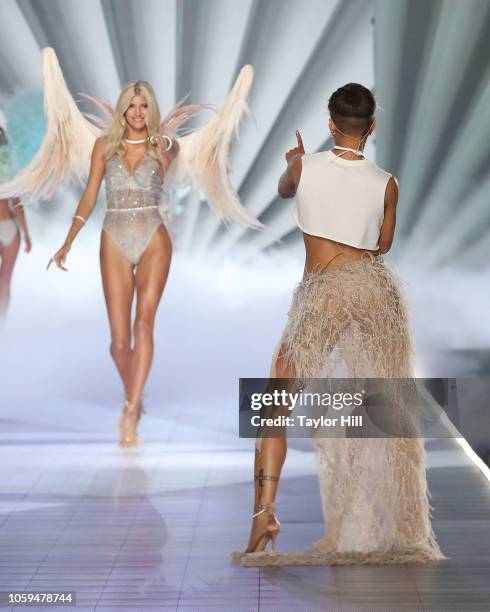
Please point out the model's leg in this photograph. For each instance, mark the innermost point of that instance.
(267, 469)
(323, 332)
(118, 284)
(151, 276)
(8, 257)
(269, 459)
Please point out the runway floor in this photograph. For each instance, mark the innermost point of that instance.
(153, 528)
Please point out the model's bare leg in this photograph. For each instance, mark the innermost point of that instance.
(270, 459)
(267, 469)
(151, 277)
(118, 283)
(8, 257)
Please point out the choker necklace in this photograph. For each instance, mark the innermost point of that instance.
(356, 151)
(126, 140)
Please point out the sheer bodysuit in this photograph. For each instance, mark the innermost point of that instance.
(133, 200)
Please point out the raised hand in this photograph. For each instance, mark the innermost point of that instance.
(59, 258)
(297, 152)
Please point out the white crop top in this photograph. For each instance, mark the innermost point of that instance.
(341, 199)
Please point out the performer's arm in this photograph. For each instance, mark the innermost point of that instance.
(89, 198)
(289, 181)
(387, 231)
(18, 210)
(87, 202)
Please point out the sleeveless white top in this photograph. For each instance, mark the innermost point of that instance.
(341, 199)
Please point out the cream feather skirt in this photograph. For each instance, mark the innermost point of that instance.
(352, 321)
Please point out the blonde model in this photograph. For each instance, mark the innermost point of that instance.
(135, 247)
(136, 157)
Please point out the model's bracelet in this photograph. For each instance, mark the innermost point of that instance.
(80, 218)
(170, 144)
(295, 157)
(154, 142)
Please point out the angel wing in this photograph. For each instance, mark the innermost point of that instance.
(179, 115)
(67, 145)
(203, 157)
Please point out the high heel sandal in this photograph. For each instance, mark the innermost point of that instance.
(128, 424)
(270, 532)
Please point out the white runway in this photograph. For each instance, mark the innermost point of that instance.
(153, 528)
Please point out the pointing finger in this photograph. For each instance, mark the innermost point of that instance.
(298, 138)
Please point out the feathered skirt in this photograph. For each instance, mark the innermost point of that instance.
(352, 321)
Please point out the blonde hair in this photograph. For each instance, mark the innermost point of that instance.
(118, 129)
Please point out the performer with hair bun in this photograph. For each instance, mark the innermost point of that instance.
(138, 155)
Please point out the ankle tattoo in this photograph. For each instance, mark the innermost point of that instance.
(261, 477)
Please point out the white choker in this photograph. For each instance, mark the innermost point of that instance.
(127, 141)
(356, 151)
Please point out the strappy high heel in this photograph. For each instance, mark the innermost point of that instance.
(270, 532)
(128, 425)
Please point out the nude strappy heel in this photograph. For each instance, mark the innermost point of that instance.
(128, 425)
(271, 531)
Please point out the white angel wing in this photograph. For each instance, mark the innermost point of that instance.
(203, 156)
(179, 115)
(67, 145)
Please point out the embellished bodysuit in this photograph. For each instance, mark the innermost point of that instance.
(132, 213)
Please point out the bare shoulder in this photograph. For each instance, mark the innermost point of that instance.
(392, 190)
(100, 146)
(98, 161)
(393, 182)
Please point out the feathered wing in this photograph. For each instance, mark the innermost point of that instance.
(67, 145)
(107, 110)
(203, 156)
(179, 115)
